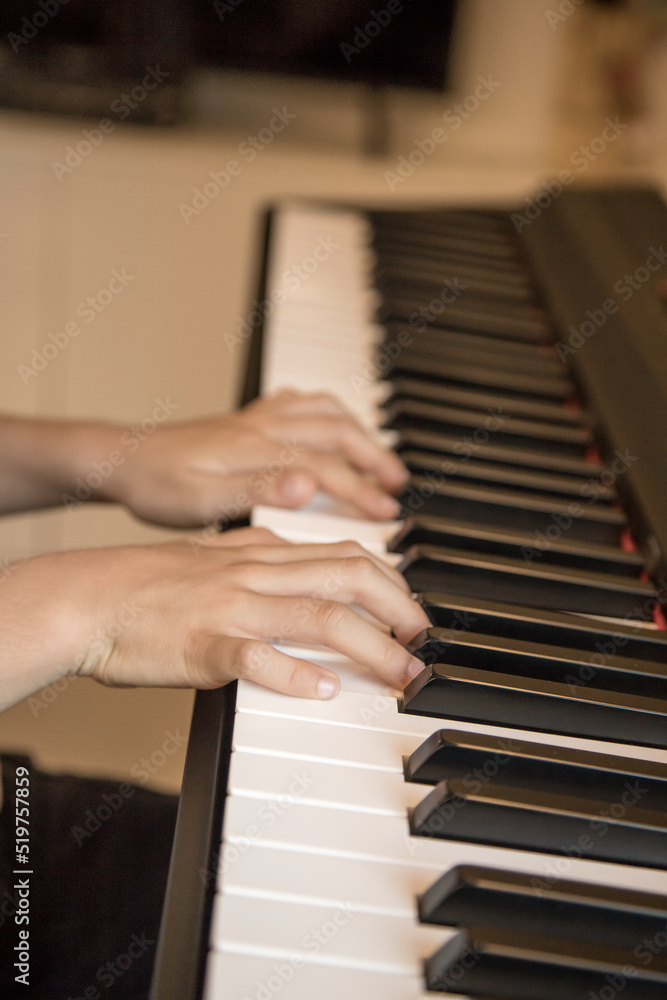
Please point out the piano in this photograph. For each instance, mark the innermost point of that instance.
(498, 830)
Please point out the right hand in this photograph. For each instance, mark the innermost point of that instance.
(202, 614)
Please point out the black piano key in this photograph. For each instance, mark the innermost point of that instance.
(422, 463)
(481, 446)
(506, 966)
(474, 896)
(534, 584)
(515, 325)
(451, 347)
(571, 630)
(443, 533)
(479, 399)
(446, 691)
(514, 509)
(423, 363)
(535, 820)
(476, 223)
(467, 235)
(462, 265)
(574, 667)
(452, 251)
(426, 279)
(515, 432)
(539, 356)
(477, 760)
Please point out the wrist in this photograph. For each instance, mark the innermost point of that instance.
(44, 623)
(48, 462)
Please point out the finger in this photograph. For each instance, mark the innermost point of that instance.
(211, 537)
(356, 580)
(290, 400)
(341, 434)
(328, 623)
(242, 537)
(337, 478)
(325, 551)
(221, 499)
(220, 659)
(218, 500)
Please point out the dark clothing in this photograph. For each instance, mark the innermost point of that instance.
(99, 853)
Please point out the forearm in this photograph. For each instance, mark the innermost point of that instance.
(41, 460)
(39, 630)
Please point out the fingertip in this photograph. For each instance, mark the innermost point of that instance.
(297, 488)
(415, 667)
(387, 508)
(327, 687)
(400, 472)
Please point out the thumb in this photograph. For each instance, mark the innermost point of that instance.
(290, 489)
(238, 493)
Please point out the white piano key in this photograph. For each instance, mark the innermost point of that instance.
(301, 740)
(386, 840)
(239, 977)
(380, 712)
(336, 936)
(308, 524)
(271, 873)
(318, 783)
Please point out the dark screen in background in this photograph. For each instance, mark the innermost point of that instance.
(395, 42)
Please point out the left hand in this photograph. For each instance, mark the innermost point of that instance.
(279, 450)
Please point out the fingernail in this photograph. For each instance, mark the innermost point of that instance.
(415, 667)
(297, 488)
(402, 472)
(390, 508)
(327, 687)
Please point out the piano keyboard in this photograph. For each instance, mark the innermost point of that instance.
(526, 856)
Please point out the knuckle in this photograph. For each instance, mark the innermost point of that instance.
(298, 680)
(349, 548)
(330, 616)
(249, 659)
(264, 536)
(246, 574)
(361, 566)
(393, 654)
